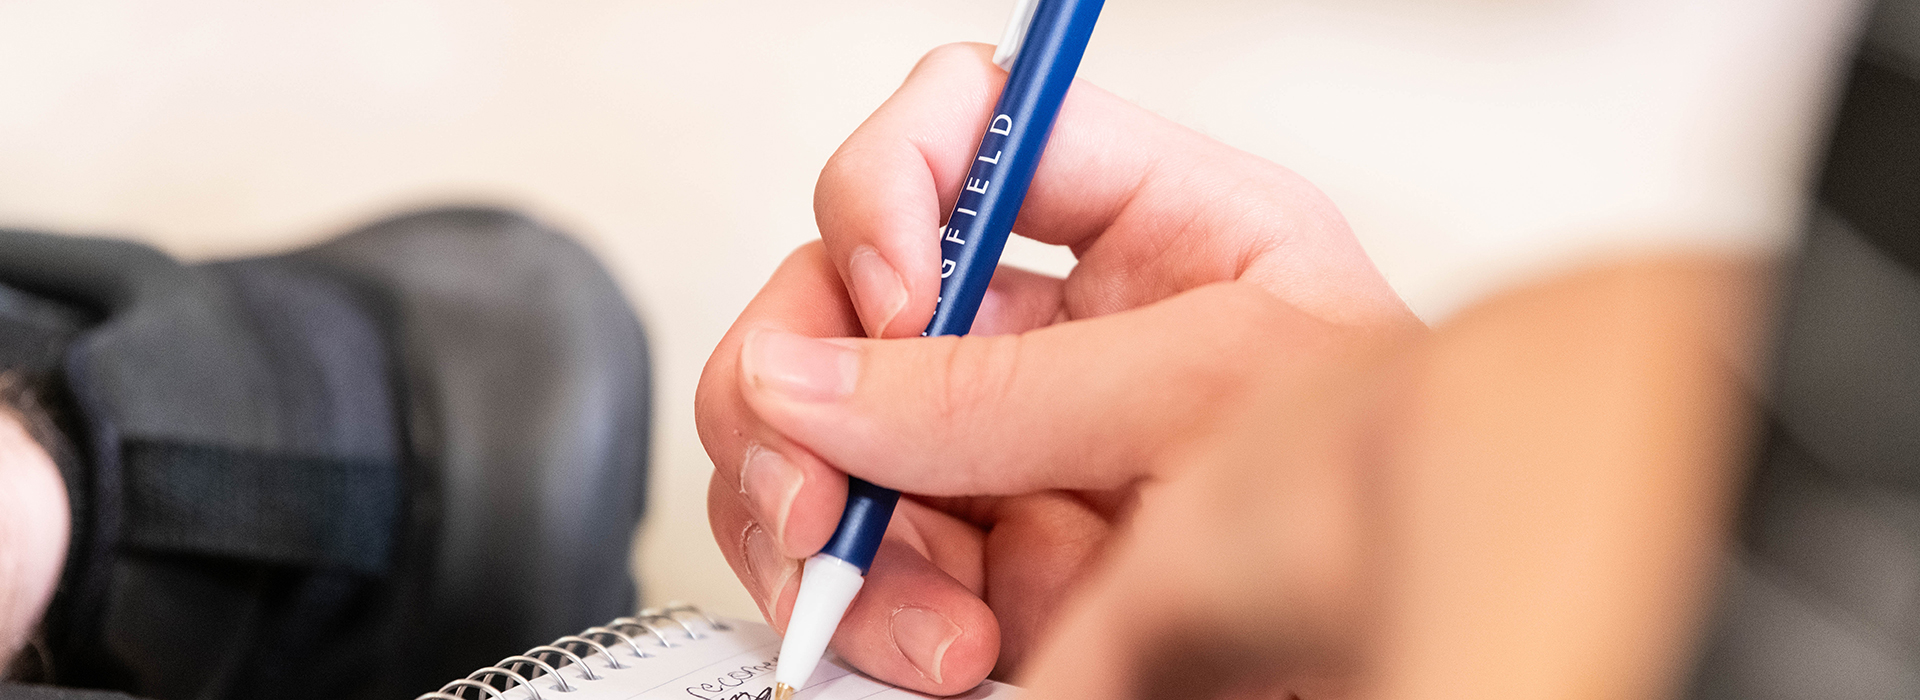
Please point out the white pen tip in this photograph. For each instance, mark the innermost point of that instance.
(827, 587)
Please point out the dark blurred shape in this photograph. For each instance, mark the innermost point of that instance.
(1822, 594)
(352, 471)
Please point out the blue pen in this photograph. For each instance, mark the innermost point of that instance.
(1044, 42)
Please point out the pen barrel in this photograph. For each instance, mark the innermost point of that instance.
(862, 524)
(1003, 167)
(982, 217)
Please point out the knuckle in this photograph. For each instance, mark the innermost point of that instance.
(946, 56)
(981, 373)
(976, 376)
(711, 393)
(842, 169)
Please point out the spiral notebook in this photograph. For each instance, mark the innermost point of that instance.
(678, 653)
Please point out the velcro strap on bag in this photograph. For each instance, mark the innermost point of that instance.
(321, 513)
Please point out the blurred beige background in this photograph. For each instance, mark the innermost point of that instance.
(1472, 143)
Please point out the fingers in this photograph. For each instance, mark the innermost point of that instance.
(1082, 405)
(1151, 208)
(999, 592)
(767, 470)
(768, 574)
(879, 197)
(914, 623)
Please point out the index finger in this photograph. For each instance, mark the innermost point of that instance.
(804, 299)
(1150, 207)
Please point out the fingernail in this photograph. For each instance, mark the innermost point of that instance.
(769, 569)
(923, 636)
(770, 483)
(798, 367)
(876, 288)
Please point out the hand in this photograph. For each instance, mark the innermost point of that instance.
(1527, 503)
(1022, 444)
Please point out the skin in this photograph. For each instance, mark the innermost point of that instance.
(1527, 503)
(1220, 458)
(33, 533)
(972, 571)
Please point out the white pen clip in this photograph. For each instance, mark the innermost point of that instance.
(1016, 34)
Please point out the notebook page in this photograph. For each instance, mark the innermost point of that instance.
(735, 664)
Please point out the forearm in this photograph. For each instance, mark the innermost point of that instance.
(1562, 467)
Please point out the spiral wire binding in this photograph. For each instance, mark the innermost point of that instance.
(612, 662)
(652, 620)
(711, 621)
(585, 670)
(622, 636)
(470, 683)
(641, 622)
(486, 673)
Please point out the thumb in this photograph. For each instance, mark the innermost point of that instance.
(1080, 405)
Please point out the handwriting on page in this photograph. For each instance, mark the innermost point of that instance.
(719, 688)
(764, 694)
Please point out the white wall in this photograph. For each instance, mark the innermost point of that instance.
(1471, 142)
